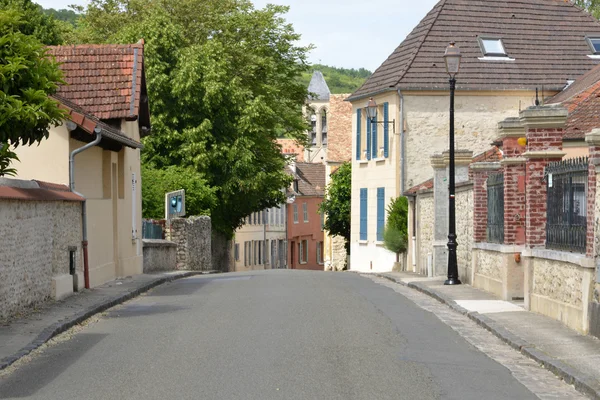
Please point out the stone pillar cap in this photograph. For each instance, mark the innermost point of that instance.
(511, 127)
(486, 166)
(461, 157)
(437, 161)
(593, 138)
(539, 117)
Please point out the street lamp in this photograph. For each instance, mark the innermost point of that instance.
(452, 59)
(371, 111)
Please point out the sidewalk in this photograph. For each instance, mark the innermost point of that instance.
(20, 336)
(570, 355)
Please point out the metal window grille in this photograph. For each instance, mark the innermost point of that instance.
(566, 214)
(495, 208)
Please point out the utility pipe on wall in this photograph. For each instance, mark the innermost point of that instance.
(402, 145)
(84, 243)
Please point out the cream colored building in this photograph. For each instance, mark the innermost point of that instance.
(261, 242)
(109, 103)
(498, 78)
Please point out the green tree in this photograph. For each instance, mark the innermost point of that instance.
(27, 77)
(199, 198)
(395, 235)
(35, 22)
(336, 205)
(223, 83)
(591, 6)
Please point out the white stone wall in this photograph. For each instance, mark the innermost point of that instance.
(36, 238)
(558, 280)
(476, 118)
(464, 232)
(425, 230)
(489, 265)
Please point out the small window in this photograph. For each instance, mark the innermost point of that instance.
(295, 213)
(594, 43)
(303, 251)
(492, 47)
(320, 250)
(237, 252)
(305, 211)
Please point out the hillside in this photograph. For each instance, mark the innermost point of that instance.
(64, 15)
(339, 80)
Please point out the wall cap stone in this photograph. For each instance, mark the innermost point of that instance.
(437, 161)
(564, 256)
(593, 138)
(461, 157)
(513, 161)
(486, 166)
(158, 243)
(540, 117)
(499, 248)
(544, 154)
(511, 127)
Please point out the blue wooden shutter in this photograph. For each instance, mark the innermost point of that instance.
(369, 138)
(386, 130)
(358, 122)
(375, 148)
(363, 214)
(380, 213)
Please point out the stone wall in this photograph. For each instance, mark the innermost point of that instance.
(338, 248)
(464, 231)
(558, 281)
(339, 135)
(425, 228)
(36, 239)
(159, 255)
(193, 239)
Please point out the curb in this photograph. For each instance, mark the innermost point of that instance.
(582, 382)
(77, 318)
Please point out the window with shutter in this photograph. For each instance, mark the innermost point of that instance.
(380, 213)
(363, 214)
(386, 130)
(358, 122)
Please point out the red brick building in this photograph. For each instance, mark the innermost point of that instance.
(305, 228)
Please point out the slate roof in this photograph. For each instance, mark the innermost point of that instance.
(582, 100)
(105, 80)
(311, 179)
(318, 87)
(545, 37)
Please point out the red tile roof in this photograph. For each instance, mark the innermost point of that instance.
(546, 38)
(493, 154)
(428, 184)
(36, 191)
(311, 179)
(582, 100)
(106, 80)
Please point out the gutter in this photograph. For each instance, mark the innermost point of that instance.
(402, 144)
(84, 243)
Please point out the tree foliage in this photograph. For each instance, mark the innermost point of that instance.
(64, 15)
(35, 22)
(591, 6)
(223, 83)
(395, 235)
(336, 205)
(27, 77)
(199, 198)
(339, 80)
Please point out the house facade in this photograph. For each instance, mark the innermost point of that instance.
(261, 242)
(106, 99)
(498, 78)
(305, 225)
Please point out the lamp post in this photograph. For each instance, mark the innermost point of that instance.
(452, 60)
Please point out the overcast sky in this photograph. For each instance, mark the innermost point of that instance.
(346, 33)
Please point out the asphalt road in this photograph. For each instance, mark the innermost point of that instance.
(265, 335)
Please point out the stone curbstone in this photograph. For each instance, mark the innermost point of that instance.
(77, 318)
(582, 382)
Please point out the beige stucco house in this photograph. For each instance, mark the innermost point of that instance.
(499, 76)
(106, 99)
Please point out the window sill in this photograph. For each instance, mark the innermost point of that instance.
(495, 58)
(379, 243)
(363, 242)
(363, 162)
(379, 160)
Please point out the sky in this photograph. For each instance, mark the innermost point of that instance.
(345, 33)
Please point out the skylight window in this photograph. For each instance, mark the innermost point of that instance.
(594, 43)
(492, 47)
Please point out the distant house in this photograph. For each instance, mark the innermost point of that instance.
(106, 99)
(305, 224)
(509, 50)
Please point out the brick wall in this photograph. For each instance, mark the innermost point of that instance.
(290, 147)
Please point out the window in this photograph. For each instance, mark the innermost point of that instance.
(254, 252)
(594, 43)
(313, 132)
(380, 213)
(358, 138)
(320, 252)
(259, 245)
(276, 212)
(236, 252)
(254, 218)
(247, 253)
(492, 47)
(363, 214)
(296, 185)
(295, 213)
(324, 127)
(386, 130)
(305, 211)
(374, 137)
(303, 251)
(266, 251)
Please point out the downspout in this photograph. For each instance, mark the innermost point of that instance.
(84, 243)
(402, 145)
(414, 232)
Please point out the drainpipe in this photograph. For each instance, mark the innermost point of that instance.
(402, 147)
(84, 243)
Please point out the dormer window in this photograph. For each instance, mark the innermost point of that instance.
(594, 43)
(492, 47)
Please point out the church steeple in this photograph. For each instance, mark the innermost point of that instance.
(318, 88)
